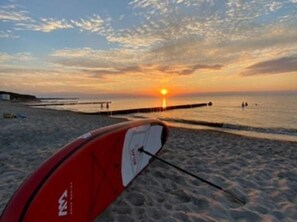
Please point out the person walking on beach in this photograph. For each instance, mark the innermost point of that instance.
(243, 104)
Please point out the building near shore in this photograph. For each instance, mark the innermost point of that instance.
(11, 96)
(5, 97)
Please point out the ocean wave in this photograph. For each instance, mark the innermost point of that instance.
(281, 131)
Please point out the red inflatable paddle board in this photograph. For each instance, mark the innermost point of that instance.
(83, 178)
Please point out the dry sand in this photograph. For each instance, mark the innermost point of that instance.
(262, 172)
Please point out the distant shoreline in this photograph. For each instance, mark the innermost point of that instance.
(58, 98)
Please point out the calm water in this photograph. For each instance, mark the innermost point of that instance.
(267, 115)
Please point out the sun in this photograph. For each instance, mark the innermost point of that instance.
(164, 91)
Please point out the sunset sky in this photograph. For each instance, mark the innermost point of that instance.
(88, 47)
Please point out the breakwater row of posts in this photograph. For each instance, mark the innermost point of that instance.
(152, 109)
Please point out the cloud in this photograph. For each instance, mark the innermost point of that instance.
(92, 24)
(179, 37)
(155, 28)
(10, 13)
(99, 63)
(45, 25)
(125, 70)
(217, 23)
(161, 7)
(8, 34)
(25, 71)
(150, 70)
(6, 58)
(274, 6)
(275, 66)
(90, 58)
(214, 22)
(45, 80)
(188, 69)
(23, 21)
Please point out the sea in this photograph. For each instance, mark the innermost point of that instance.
(264, 115)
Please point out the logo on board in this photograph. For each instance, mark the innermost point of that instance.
(65, 202)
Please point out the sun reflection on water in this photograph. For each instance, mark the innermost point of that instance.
(164, 103)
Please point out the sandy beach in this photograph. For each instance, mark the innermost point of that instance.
(262, 172)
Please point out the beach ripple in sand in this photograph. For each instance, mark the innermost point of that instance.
(262, 172)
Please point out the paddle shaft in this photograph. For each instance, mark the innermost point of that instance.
(193, 175)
